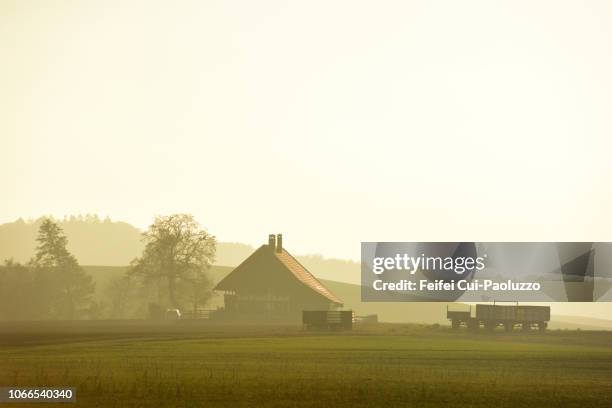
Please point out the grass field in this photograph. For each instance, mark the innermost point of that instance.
(139, 364)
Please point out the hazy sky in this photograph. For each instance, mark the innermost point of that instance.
(331, 122)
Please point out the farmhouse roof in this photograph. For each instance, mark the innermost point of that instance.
(274, 251)
(302, 274)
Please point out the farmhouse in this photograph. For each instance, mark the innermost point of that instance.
(271, 285)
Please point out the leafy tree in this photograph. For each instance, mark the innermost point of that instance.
(67, 288)
(177, 253)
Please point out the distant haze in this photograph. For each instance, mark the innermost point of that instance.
(107, 243)
(332, 122)
(96, 241)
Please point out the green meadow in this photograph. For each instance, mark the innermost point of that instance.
(192, 365)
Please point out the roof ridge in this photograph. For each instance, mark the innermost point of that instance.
(325, 288)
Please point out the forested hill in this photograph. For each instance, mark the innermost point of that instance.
(96, 241)
(91, 240)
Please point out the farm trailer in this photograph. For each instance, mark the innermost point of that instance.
(491, 316)
(327, 319)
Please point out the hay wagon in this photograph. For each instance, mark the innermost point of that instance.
(508, 316)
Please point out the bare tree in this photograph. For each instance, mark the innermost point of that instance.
(178, 251)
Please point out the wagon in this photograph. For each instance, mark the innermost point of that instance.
(327, 319)
(508, 316)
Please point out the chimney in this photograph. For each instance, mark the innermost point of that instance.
(279, 243)
(272, 241)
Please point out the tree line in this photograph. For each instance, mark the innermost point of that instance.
(170, 273)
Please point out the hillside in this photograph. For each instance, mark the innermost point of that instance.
(392, 312)
(579, 322)
(91, 240)
(95, 242)
(105, 242)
